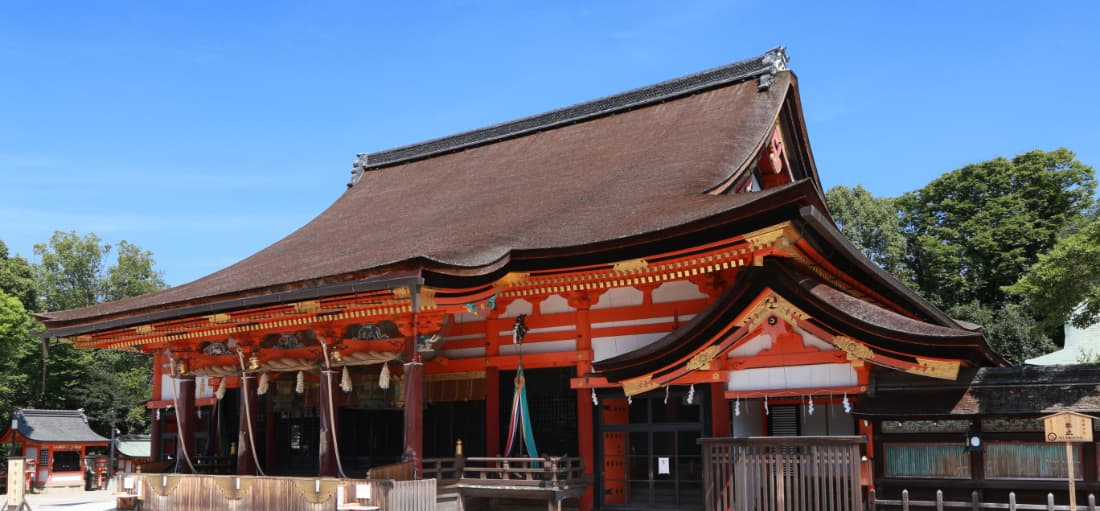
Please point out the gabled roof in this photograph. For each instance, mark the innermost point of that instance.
(882, 330)
(135, 446)
(612, 172)
(55, 426)
(1022, 390)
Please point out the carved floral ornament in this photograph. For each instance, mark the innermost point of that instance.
(855, 349)
(774, 306)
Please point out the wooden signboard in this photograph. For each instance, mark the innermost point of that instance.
(1067, 427)
(15, 484)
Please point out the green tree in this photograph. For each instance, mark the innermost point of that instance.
(75, 271)
(17, 278)
(1064, 285)
(873, 225)
(977, 229)
(16, 344)
(1010, 329)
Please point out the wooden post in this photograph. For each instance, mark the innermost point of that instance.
(582, 302)
(326, 449)
(414, 409)
(1072, 482)
(248, 408)
(187, 421)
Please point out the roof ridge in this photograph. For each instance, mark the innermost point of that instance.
(764, 66)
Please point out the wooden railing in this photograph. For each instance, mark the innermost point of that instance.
(782, 473)
(548, 472)
(155, 492)
(975, 503)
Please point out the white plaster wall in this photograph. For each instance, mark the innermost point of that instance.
(677, 291)
(516, 308)
(554, 304)
(607, 347)
(619, 297)
(539, 347)
(794, 377)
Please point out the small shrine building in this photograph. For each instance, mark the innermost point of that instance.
(55, 443)
(660, 264)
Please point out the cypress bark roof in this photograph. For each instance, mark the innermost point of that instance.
(614, 170)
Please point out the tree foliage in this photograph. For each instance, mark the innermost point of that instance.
(873, 225)
(73, 271)
(975, 230)
(966, 237)
(1065, 284)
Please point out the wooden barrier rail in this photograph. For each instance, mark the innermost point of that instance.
(975, 504)
(157, 492)
(550, 479)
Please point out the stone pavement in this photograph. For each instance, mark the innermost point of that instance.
(63, 499)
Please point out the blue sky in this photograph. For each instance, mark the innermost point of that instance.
(204, 131)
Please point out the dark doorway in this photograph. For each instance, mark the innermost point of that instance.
(445, 423)
(648, 451)
(553, 407)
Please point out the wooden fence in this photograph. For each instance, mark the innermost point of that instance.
(551, 479)
(975, 503)
(782, 473)
(180, 492)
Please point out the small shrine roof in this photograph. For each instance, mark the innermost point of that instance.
(56, 426)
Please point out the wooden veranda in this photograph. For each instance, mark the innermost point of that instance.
(782, 473)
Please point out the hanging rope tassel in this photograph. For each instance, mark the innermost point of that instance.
(384, 377)
(345, 380)
(261, 388)
(300, 387)
(220, 393)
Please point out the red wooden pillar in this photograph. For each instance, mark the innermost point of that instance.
(249, 407)
(269, 434)
(414, 411)
(585, 421)
(719, 411)
(185, 446)
(326, 449)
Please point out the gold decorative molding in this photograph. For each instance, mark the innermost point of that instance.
(514, 278)
(401, 293)
(219, 319)
(308, 306)
(234, 488)
(427, 297)
(162, 484)
(630, 265)
(942, 369)
(640, 385)
(703, 359)
(144, 329)
(774, 305)
(317, 491)
(783, 234)
(855, 349)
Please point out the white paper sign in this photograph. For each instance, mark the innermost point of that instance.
(662, 465)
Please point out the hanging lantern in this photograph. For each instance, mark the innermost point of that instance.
(384, 377)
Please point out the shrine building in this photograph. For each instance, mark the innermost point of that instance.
(659, 266)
